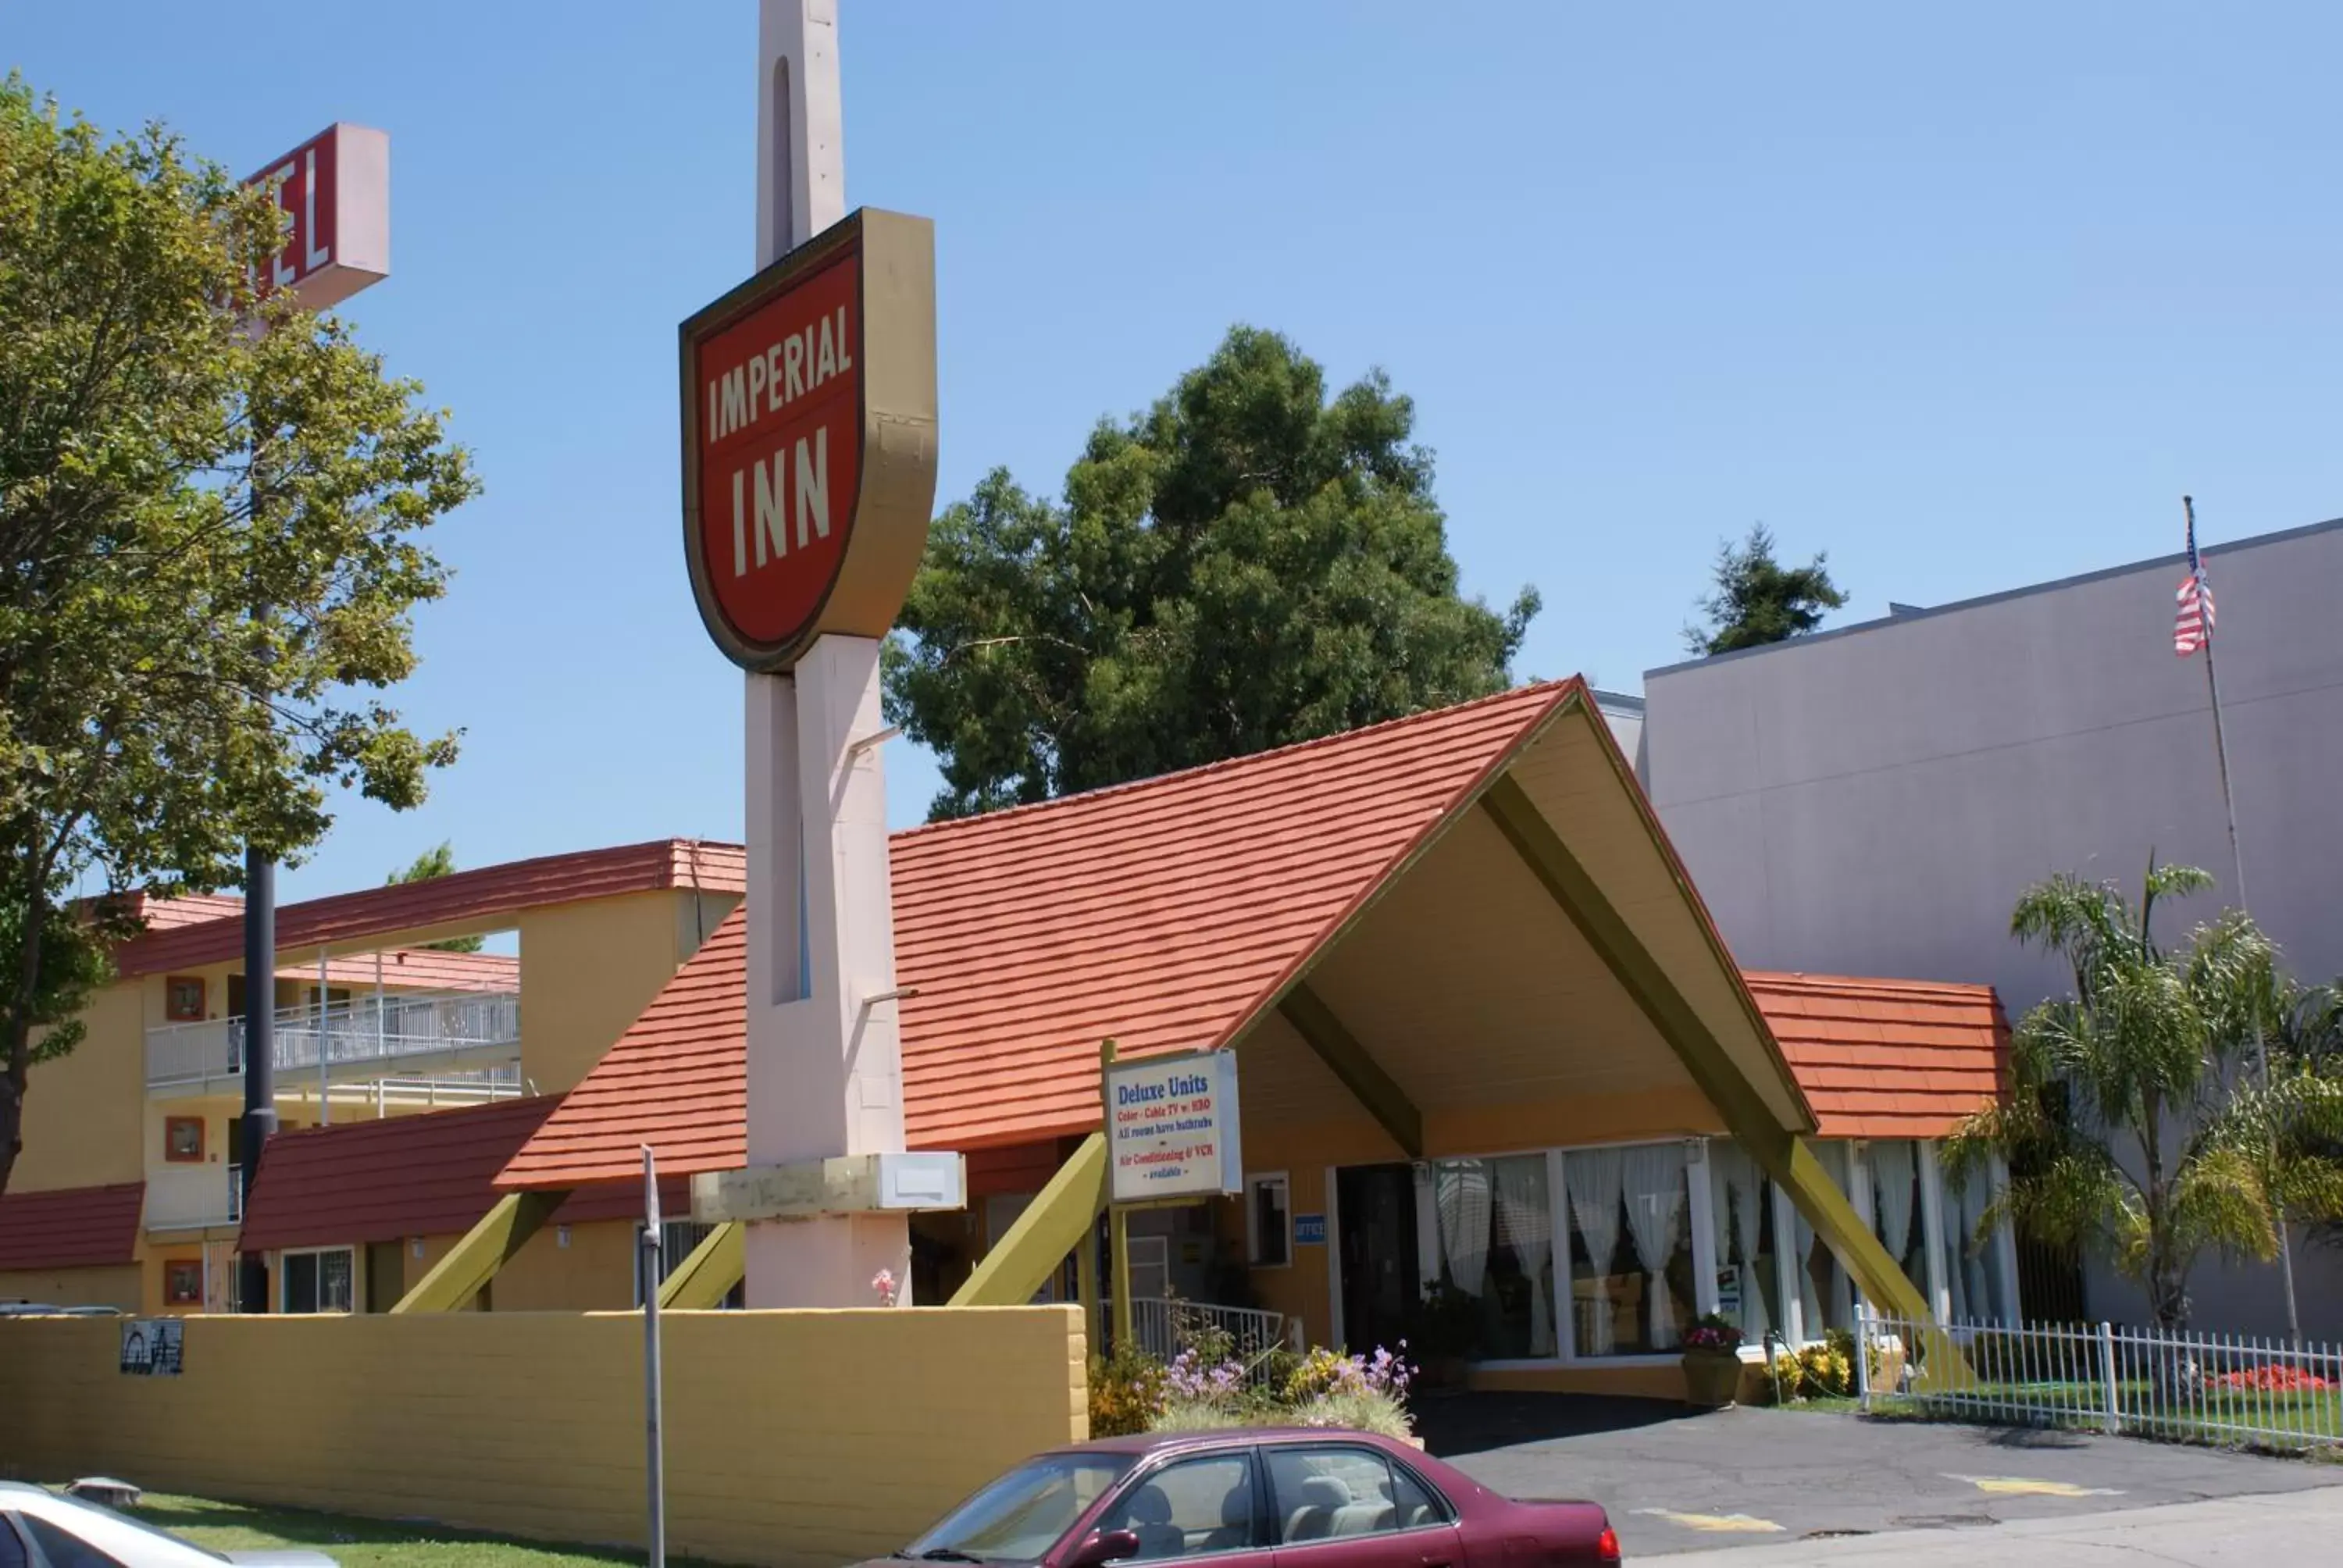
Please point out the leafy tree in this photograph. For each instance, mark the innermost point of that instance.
(1246, 564)
(2135, 1123)
(209, 503)
(1759, 600)
(436, 861)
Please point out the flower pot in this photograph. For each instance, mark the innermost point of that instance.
(1712, 1378)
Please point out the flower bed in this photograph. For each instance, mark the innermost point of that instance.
(1204, 1388)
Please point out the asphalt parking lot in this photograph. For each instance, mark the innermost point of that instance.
(1676, 1480)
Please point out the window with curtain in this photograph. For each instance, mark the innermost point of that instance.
(1631, 1270)
(1972, 1269)
(1496, 1234)
(1748, 1272)
(1896, 1218)
(1826, 1293)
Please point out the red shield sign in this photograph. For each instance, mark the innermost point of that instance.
(789, 528)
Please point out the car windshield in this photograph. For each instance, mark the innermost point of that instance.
(1021, 1515)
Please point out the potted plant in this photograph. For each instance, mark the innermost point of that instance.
(1441, 1333)
(1711, 1361)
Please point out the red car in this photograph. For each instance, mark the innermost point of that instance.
(1303, 1498)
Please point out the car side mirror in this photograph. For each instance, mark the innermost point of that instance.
(1104, 1546)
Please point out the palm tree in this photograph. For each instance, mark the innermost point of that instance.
(2136, 1124)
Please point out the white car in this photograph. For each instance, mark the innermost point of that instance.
(39, 1529)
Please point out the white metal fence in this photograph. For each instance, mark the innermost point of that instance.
(356, 1033)
(2231, 1390)
(1164, 1326)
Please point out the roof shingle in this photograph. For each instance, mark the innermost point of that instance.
(1888, 1059)
(71, 1227)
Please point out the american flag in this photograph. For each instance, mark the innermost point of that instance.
(2192, 627)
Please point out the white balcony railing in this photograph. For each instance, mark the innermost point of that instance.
(188, 1197)
(401, 1035)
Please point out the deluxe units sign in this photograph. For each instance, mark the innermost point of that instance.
(810, 440)
(1172, 1127)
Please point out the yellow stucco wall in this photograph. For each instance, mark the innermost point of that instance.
(792, 1438)
(114, 1287)
(587, 970)
(594, 1273)
(84, 1113)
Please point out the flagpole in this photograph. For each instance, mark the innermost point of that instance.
(2238, 880)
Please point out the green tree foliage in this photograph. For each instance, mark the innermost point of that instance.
(1245, 565)
(177, 457)
(1759, 600)
(2136, 1125)
(439, 860)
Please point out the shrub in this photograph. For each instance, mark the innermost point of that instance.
(1127, 1391)
(1824, 1371)
(1355, 1410)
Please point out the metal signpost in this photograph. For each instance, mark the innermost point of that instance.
(653, 1268)
(1171, 1138)
(336, 189)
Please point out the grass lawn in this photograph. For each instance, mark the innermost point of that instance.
(361, 1543)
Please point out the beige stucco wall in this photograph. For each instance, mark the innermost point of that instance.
(84, 1113)
(792, 1438)
(587, 970)
(114, 1287)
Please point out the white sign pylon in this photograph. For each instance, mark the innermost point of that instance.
(825, 1064)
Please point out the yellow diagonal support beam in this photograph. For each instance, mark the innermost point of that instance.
(1778, 1149)
(710, 1271)
(1359, 1073)
(457, 1277)
(1061, 1217)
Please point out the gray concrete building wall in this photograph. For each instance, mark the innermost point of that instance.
(1871, 800)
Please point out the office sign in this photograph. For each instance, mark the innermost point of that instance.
(1310, 1229)
(1171, 1128)
(810, 440)
(336, 188)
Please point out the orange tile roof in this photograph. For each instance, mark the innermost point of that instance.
(459, 898)
(1888, 1059)
(431, 1174)
(71, 1227)
(413, 969)
(1163, 914)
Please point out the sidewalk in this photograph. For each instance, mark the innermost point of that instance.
(2268, 1529)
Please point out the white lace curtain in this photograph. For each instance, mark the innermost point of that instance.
(1737, 1199)
(1529, 1228)
(1594, 1180)
(1655, 1180)
(1462, 1190)
(1891, 1186)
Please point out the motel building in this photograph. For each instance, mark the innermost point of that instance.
(1486, 1038)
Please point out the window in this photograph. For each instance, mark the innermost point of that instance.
(182, 1139)
(183, 998)
(1897, 1215)
(1748, 1271)
(1269, 1221)
(1189, 1508)
(63, 1549)
(183, 1283)
(12, 1547)
(1630, 1269)
(1332, 1493)
(1493, 1243)
(1973, 1275)
(1150, 1267)
(316, 1282)
(1826, 1293)
(677, 1239)
(1021, 1515)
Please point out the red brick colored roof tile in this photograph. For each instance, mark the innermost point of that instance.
(1162, 914)
(431, 1174)
(1888, 1059)
(460, 897)
(413, 969)
(71, 1227)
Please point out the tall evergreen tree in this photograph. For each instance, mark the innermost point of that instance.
(1758, 600)
(1248, 563)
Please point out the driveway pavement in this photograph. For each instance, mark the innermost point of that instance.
(1678, 1481)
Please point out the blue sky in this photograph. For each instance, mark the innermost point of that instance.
(1966, 298)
